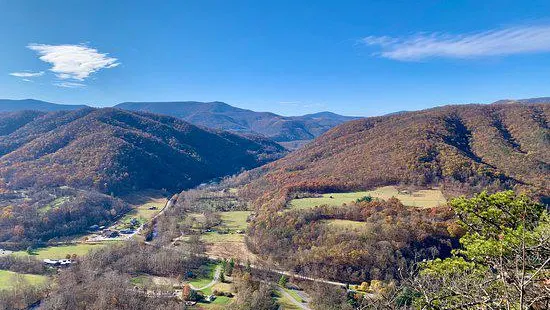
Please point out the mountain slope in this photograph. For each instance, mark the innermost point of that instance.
(8, 105)
(460, 147)
(220, 115)
(116, 151)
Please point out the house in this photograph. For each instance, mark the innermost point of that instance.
(56, 263)
(110, 233)
(51, 262)
(126, 231)
(210, 298)
(5, 252)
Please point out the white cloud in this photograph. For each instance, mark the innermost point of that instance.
(69, 84)
(76, 62)
(26, 74)
(504, 41)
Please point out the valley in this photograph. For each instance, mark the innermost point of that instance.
(294, 230)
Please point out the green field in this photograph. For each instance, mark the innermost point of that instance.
(219, 303)
(54, 204)
(60, 252)
(142, 203)
(423, 198)
(284, 302)
(202, 281)
(7, 279)
(294, 295)
(213, 237)
(235, 220)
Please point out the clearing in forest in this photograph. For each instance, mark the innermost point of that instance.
(146, 205)
(426, 198)
(60, 252)
(9, 278)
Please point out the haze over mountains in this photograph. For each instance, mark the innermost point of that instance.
(9, 105)
(223, 116)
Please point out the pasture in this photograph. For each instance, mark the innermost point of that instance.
(142, 207)
(60, 252)
(235, 220)
(8, 279)
(425, 198)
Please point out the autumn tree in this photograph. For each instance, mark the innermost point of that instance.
(503, 261)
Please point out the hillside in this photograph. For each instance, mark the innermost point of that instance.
(461, 148)
(116, 151)
(7, 105)
(220, 115)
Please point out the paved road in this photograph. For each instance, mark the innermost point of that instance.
(215, 280)
(294, 301)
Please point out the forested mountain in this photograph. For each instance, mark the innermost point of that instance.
(8, 105)
(527, 100)
(463, 148)
(220, 115)
(116, 151)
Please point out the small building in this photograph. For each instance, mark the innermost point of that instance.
(93, 228)
(152, 207)
(210, 298)
(57, 263)
(5, 252)
(110, 233)
(134, 222)
(126, 231)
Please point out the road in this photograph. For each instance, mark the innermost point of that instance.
(98, 238)
(294, 301)
(215, 280)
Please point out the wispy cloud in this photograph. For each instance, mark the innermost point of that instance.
(69, 84)
(504, 41)
(76, 62)
(27, 74)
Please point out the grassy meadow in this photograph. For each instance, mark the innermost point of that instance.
(7, 279)
(60, 252)
(426, 198)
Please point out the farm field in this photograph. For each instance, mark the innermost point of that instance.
(230, 244)
(426, 198)
(60, 252)
(142, 202)
(7, 279)
(235, 220)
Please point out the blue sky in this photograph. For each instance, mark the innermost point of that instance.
(290, 57)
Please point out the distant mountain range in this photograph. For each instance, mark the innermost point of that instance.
(291, 131)
(117, 151)
(463, 149)
(220, 115)
(528, 100)
(8, 105)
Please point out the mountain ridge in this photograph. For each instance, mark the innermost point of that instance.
(14, 105)
(223, 116)
(113, 150)
(462, 148)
